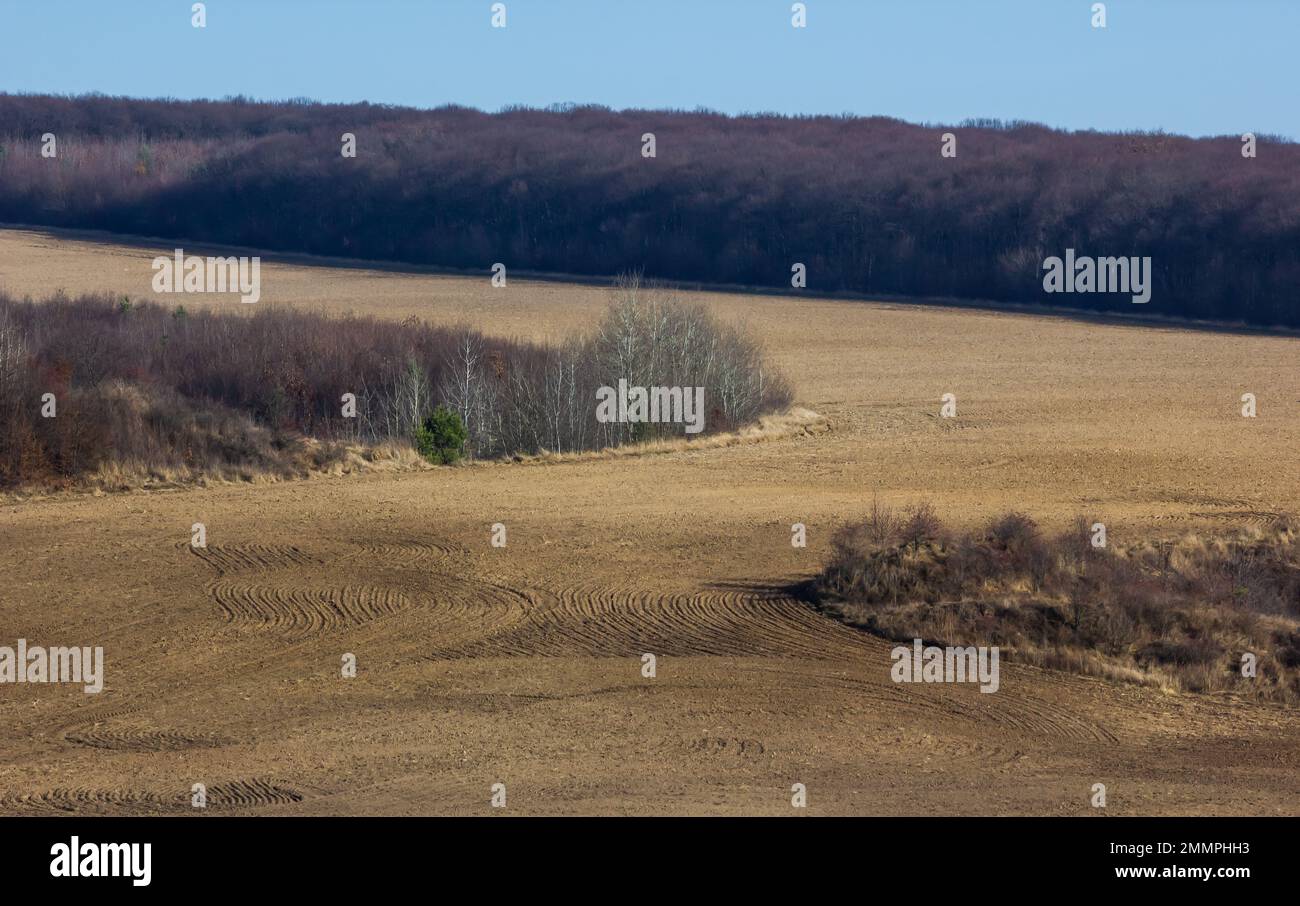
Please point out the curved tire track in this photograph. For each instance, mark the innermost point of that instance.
(140, 739)
(235, 558)
(89, 802)
(252, 793)
(626, 622)
(305, 611)
(405, 553)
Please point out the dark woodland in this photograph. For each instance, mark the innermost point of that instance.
(867, 204)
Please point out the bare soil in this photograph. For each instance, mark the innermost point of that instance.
(523, 666)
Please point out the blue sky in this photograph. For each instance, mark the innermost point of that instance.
(1199, 67)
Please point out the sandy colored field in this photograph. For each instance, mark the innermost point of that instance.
(522, 666)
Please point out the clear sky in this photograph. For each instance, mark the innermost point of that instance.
(1198, 67)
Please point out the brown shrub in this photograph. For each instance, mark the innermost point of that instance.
(1179, 613)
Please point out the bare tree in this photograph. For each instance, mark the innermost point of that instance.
(13, 352)
(462, 388)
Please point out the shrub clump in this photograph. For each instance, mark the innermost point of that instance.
(1176, 613)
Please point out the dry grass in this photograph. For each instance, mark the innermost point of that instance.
(314, 459)
(797, 422)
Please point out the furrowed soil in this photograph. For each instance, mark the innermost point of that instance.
(523, 666)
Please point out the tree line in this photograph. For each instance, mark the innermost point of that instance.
(97, 383)
(867, 205)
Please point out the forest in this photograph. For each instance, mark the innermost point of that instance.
(867, 205)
